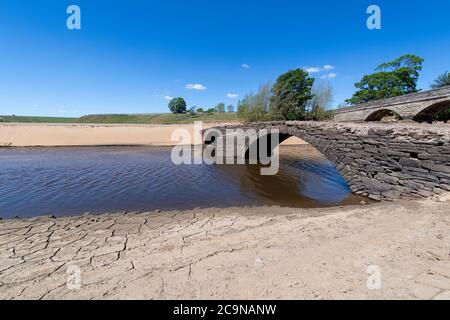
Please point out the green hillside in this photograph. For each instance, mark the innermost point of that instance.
(128, 119)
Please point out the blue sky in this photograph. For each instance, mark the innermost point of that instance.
(130, 56)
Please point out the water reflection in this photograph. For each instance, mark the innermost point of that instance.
(305, 179)
(70, 181)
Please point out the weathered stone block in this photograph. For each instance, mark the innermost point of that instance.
(371, 148)
(386, 178)
(410, 162)
(424, 156)
(431, 165)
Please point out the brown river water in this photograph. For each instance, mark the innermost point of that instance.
(72, 181)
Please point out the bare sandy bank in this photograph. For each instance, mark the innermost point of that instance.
(60, 135)
(50, 135)
(233, 253)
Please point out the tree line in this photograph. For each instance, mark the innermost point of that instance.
(396, 78)
(296, 95)
(179, 106)
(392, 79)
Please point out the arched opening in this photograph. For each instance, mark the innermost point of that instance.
(267, 144)
(306, 175)
(258, 150)
(293, 141)
(384, 115)
(437, 112)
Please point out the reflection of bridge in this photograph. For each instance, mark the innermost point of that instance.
(381, 161)
(420, 107)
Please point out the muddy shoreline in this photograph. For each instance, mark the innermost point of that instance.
(232, 253)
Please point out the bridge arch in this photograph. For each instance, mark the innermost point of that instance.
(269, 146)
(429, 113)
(378, 115)
(324, 145)
(378, 161)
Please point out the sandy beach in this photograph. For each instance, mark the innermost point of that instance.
(72, 135)
(58, 135)
(232, 253)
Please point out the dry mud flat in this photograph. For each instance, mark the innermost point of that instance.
(232, 253)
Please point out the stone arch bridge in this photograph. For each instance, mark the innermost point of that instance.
(380, 161)
(419, 107)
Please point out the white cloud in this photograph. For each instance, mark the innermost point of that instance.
(245, 66)
(196, 86)
(232, 95)
(329, 76)
(313, 70)
(161, 95)
(327, 67)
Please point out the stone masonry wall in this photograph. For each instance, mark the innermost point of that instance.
(381, 161)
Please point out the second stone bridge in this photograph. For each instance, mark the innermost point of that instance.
(420, 107)
(380, 161)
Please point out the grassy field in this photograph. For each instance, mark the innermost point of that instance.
(26, 119)
(128, 119)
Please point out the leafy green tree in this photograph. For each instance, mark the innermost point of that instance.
(441, 81)
(230, 108)
(392, 79)
(291, 92)
(319, 105)
(211, 110)
(220, 108)
(177, 105)
(200, 110)
(256, 107)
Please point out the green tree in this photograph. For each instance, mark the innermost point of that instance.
(317, 108)
(392, 79)
(230, 108)
(177, 105)
(200, 110)
(441, 81)
(291, 92)
(220, 108)
(211, 110)
(256, 107)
